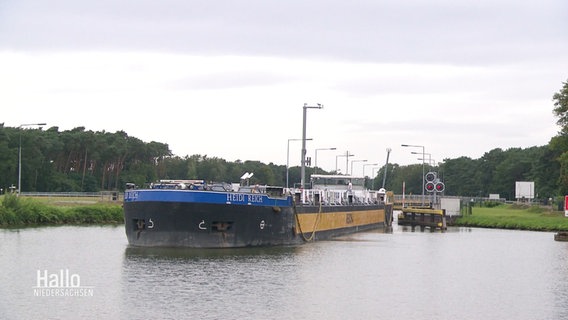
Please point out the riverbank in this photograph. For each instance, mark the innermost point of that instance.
(20, 211)
(515, 217)
(23, 212)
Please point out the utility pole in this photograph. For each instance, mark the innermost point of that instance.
(303, 171)
(386, 167)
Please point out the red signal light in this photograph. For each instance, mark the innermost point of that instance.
(440, 187)
(430, 186)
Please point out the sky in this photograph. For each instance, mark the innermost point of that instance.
(229, 79)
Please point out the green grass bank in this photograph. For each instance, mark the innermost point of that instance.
(518, 217)
(23, 212)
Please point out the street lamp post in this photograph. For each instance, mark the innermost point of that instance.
(288, 158)
(303, 171)
(368, 164)
(428, 154)
(374, 176)
(316, 157)
(352, 161)
(431, 162)
(365, 165)
(423, 153)
(20, 155)
(347, 154)
(375, 168)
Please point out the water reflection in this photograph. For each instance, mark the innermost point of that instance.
(190, 253)
(204, 283)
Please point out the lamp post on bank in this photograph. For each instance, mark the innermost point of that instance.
(423, 153)
(288, 158)
(316, 157)
(368, 164)
(20, 154)
(424, 159)
(374, 176)
(431, 162)
(353, 161)
(347, 154)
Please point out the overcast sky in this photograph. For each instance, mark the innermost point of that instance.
(229, 78)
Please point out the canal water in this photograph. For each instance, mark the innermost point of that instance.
(465, 273)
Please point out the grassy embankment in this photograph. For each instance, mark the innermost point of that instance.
(22, 211)
(515, 217)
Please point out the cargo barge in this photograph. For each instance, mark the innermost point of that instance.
(191, 213)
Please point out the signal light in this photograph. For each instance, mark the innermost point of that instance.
(440, 187)
(430, 176)
(430, 186)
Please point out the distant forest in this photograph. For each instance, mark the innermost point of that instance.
(80, 160)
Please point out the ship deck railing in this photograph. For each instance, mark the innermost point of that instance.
(337, 197)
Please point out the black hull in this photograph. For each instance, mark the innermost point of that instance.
(202, 225)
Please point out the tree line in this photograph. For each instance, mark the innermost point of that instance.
(85, 161)
(75, 160)
(80, 160)
(494, 173)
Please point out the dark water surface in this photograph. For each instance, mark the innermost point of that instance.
(460, 274)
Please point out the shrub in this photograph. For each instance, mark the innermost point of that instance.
(7, 216)
(491, 204)
(16, 211)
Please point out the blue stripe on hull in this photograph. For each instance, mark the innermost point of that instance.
(193, 196)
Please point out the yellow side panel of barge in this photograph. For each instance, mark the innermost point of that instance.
(338, 220)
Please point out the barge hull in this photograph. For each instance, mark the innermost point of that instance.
(201, 225)
(210, 225)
